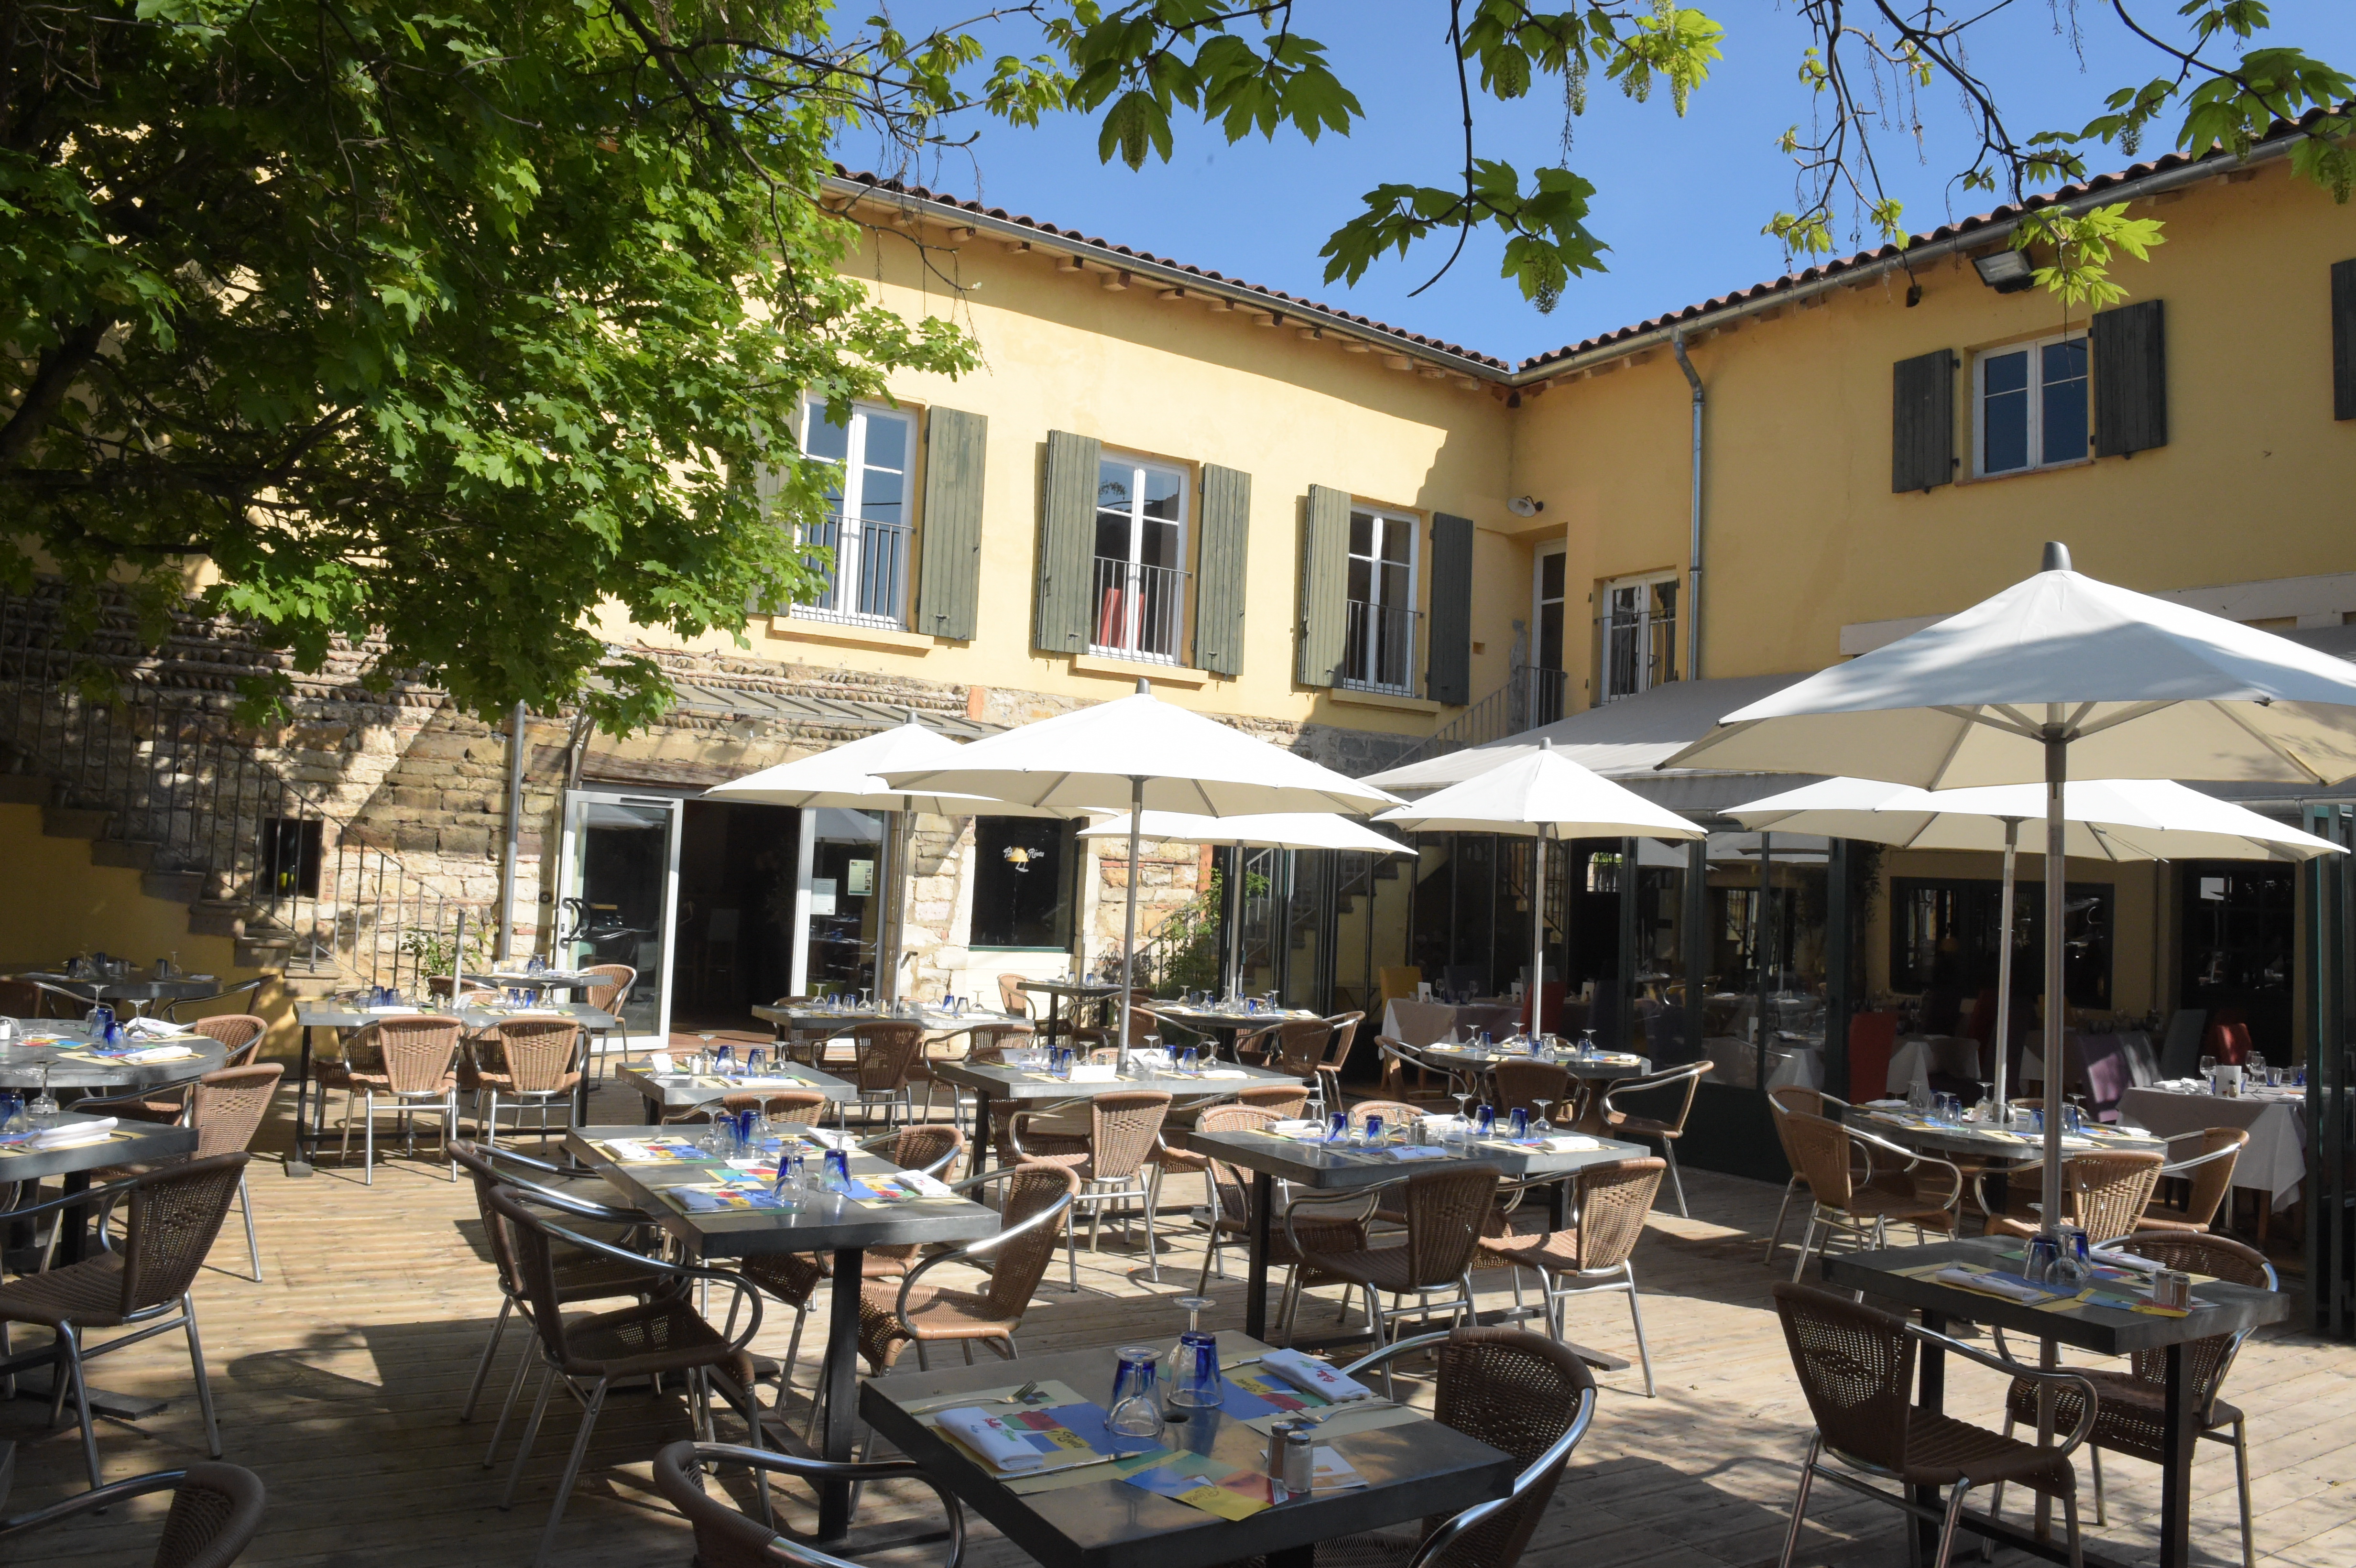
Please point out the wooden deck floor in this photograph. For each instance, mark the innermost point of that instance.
(339, 1380)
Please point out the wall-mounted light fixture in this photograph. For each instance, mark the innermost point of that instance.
(1526, 505)
(2006, 270)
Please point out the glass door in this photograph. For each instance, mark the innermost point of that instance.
(619, 897)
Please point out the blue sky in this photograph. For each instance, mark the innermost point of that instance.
(1680, 201)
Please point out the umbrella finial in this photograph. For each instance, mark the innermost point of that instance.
(1545, 742)
(1144, 686)
(2057, 556)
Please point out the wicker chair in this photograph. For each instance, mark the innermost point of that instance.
(1297, 1046)
(1445, 1212)
(725, 1538)
(1830, 1154)
(2208, 1178)
(2107, 1193)
(1114, 1163)
(174, 1214)
(659, 1336)
(1525, 1085)
(986, 1044)
(1667, 1129)
(1337, 1051)
(888, 1054)
(796, 1107)
(609, 994)
(226, 1109)
(535, 1062)
(215, 1514)
(1033, 1208)
(1855, 1365)
(241, 1033)
(22, 998)
(1401, 1063)
(1610, 1202)
(1231, 1190)
(2130, 1407)
(412, 1062)
(1809, 1103)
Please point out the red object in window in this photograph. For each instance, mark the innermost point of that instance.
(1108, 621)
(1551, 993)
(2228, 1042)
(1872, 1037)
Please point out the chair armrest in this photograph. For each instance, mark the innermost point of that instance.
(1396, 1347)
(874, 1144)
(2230, 1151)
(94, 1501)
(2011, 1367)
(972, 1250)
(1912, 1157)
(1557, 1454)
(746, 1295)
(1364, 1198)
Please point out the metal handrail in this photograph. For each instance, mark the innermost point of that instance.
(1378, 643)
(1139, 610)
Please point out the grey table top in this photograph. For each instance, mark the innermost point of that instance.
(932, 1018)
(21, 1062)
(1070, 988)
(132, 987)
(2226, 1308)
(1026, 1083)
(684, 1092)
(1414, 1470)
(1601, 1067)
(1986, 1144)
(818, 1226)
(131, 1143)
(1309, 1164)
(345, 1015)
(1222, 1018)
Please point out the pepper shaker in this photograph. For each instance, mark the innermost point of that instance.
(1300, 1460)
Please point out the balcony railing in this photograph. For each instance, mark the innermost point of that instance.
(867, 578)
(1378, 647)
(1635, 651)
(1141, 611)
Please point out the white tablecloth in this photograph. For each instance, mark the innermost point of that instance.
(2274, 1161)
(1932, 1053)
(1427, 1023)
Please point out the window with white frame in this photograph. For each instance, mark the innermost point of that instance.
(2030, 403)
(1636, 635)
(868, 525)
(1141, 576)
(1379, 630)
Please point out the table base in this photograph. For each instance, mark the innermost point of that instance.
(33, 1382)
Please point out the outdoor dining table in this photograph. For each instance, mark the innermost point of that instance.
(1225, 1023)
(1414, 1467)
(1897, 1274)
(140, 990)
(1272, 1158)
(1027, 1086)
(666, 1093)
(1998, 1149)
(934, 1019)
(1423, 1023)
(62, 1051)
(2274, 1161)
(846, 1228)
(341, 1015)
(1058, 991)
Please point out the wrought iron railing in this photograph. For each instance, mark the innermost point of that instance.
(866, 572)
(1532, 696)
(1141, 611)
(1378, 647)
(1635, 650)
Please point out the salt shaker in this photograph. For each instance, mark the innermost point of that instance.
(2171, 1287)
(1300, 1460)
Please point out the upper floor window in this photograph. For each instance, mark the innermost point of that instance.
(1637, 635)
(1378, 634)
(1141, 577)
(2031, 407)
(867, 527)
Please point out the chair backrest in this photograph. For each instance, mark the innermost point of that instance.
(497, 1238)
(1017, 1268)
(1520, 1393)
(2109, 1191)
(1123, 1129)
(2212, 1181)
(1399, 982)
(532, 1252)
(241, 1033)
(1687, 1078)
(1819, 1149)
(2221, 1257)
(1233, 1186)
(1394, 1113)
(802, 1107)
(914, 1148)
(1856, 1367)
(1613, 1200)
(1522, 1084)
(724, 1537)
(216, 1512)
(1284, 1099)
(1445, 1212)
(1345, 1031)
(1012, 997)
(611, 993)
(226, 1107)
(175, 1212)
(888, 1052)
(544, 1055)
(416, 1053)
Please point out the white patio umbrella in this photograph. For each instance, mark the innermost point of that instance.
(2060, 665)
(1542, 794)
(1278, 830)
(1136, 755)
(2103, 819)
(845, 777)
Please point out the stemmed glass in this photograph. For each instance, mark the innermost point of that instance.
(45, 1110)
(2209, 1070)
(1542, 1128)
(1174, 1365)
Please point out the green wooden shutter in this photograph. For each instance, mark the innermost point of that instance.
(1923, 422)
(1449, 679)
(1067, 542)
(950, 582)
(1219, 571)
(765, 493)
(2343, 340)
(1325, 585)
(2130, 373)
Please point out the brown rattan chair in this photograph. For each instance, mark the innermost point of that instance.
(226, 1109)
(1845, 1194)
(1230, 1200)
(240, 1033)
(657, 1338)
(1296, 1046)
(2130, 1407)
(412, 1062)
(888, 1054)
(725, 1538)
(1337, 1051)
(216, 1512)
(1855, 1366)
(986, 1044)
(1524, 1084)
(609, 994)
(1610, 1202)
(797, 1107)
(2209, 1181)
(1668, 1130)
(174, 1212)
(1114, 1163)
(1445, 1212)
(1033, 1208)
(1807, 1101)
(535, 1062)
(2106, 1194)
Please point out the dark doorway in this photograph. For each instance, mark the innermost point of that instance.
(736, 912)
(2236, 939)
(1945, 937)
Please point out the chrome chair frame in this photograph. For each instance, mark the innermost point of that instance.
(1798, 1183)
(1686, 1076)
(785, 1549)
(967, 1254)
(1874, 1232)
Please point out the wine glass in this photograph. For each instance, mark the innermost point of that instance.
(43, 1110)
(2209, 1070)
(1173, 1363)
(1542, 1128)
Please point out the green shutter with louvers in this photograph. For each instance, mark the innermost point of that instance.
(1325, 585)
(1923, 422)
(1450, 678)
(765, 494)
(2130, 373)
(2343, 340)
(950, 583)
(1219, 574)
(1067, 530)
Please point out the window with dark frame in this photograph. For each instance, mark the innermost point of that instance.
(290, 847)
(1021, 882)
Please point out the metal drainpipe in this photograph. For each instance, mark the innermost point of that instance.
(1693, 587)
(514, 832)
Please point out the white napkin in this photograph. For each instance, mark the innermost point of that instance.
(1226, 1073)
(70, 1135)
(157, 1053)
(989, 1437)
(152, 1029)
(830, 1138)
(2124, 1260)
(1989, 1282)
(1094, 1073)
(1295, 1129)
(1306, 1373)
(923, 1185)
(1569, 1143)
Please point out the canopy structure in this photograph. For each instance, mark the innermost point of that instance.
(2056, 668)
(1137, 754)
(1542, 794)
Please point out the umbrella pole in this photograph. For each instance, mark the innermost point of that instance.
(1236, 922)
(1537, 932)
(1128, 920)
(2057, 773)
(2001, 1112)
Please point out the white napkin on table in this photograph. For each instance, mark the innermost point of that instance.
(991, 1438)
(1305, 1373)
(152, 1029)
(2124, 1260)
(1991, 1283)
(70, 1135)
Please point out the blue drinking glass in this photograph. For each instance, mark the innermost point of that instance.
(1337, 1127)
(1521, 1122)
(748, 1122)
(756, 1060)
(837, 1170)
(1190, 1063)
(1484, 1122)
(1374, 1131)
(1135, 1408)
(724, 1058)
(1197, 1386)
